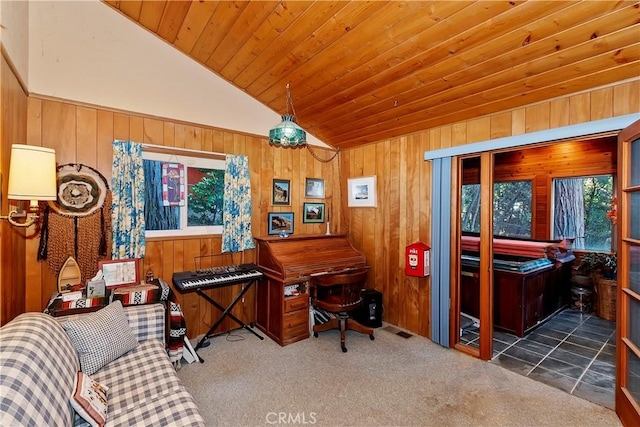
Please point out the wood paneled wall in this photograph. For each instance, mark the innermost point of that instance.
(404, 179)
(13, 127)
(83, 134)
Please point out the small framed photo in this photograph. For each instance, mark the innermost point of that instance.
(313, 212)
(280, 222)
(362, 191)
(281, 192)
(314, 187)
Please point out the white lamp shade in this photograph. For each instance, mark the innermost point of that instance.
(32, 173)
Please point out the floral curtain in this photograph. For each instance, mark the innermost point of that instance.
(236, 216)
(127, 207)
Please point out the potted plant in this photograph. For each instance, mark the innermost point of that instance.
(610, 266)
(603, 268)
(599, 263)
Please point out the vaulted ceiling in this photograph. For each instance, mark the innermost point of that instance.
(360, 72)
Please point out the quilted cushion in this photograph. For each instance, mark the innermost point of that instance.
(100, 337)
(89, 399)
(145, 390)
(37, 367)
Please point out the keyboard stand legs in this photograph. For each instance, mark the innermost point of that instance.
(226, 312)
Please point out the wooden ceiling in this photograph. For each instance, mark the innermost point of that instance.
(360, 72)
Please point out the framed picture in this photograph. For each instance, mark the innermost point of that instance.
(120, 272)
(313, 212)
(362, 191)
(314, 187)
(281, 192)
(280, 222)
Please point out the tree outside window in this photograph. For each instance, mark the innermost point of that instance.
(201, 212)
(512, 202)
(580, 207)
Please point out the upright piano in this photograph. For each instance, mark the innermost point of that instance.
(288, 264)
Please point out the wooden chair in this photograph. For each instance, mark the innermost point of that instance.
(339, 294)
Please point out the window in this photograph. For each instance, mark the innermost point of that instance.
(580, 207)
(169, 211)
(512, 202)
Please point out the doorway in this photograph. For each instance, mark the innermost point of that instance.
(568, 349)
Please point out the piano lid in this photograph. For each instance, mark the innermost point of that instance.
(293, 257)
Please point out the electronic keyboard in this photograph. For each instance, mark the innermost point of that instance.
(215, 276)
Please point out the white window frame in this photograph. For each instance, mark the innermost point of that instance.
(187, 161)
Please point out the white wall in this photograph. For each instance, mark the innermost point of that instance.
(14, 35)
(86, 51)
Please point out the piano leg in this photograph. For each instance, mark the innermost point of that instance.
(225, 312)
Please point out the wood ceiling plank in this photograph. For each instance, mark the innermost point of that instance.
(624, 18)
(610, 48)
(194, 24)
(522, 91)
(560, 24)
(270, 29)
(172, 19)
(291, 33)
(386, 47)
(597, 78)
(221, 21)
(335, 70)
(349, 62)
(271, 84)
(507, 62)
(353, 45)
(131, 8)
(458, 93)
(428, 120)
(151, 14)
(389, 83)
(242, 30)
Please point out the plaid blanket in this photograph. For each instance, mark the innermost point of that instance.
(177, 324)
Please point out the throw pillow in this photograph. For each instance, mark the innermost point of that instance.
(89, 399)
(100, 337)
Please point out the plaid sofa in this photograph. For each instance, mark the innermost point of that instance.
(38, 364)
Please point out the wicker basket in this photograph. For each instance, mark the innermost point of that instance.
(606, 290)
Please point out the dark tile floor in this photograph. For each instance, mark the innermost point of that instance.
(573, 351)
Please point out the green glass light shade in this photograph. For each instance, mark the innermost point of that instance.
(287, 133)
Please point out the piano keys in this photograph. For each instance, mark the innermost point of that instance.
(215, 276)
(292, 262)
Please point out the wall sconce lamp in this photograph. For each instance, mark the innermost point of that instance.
(32, 176)
(288, 132)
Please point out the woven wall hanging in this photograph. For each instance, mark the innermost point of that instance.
(78, 222)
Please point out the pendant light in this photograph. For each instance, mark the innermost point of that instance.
(287, 133)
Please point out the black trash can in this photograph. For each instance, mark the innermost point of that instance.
(371, 310)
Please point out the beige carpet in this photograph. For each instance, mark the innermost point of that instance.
(391, 381)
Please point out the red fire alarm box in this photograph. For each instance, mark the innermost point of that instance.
(417, 259)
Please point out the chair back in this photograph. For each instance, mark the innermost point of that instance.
(338, 292)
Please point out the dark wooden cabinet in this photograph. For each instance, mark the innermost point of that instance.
(557, 293)
(521, 300)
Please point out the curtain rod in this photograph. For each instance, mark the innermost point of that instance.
(185, 151)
